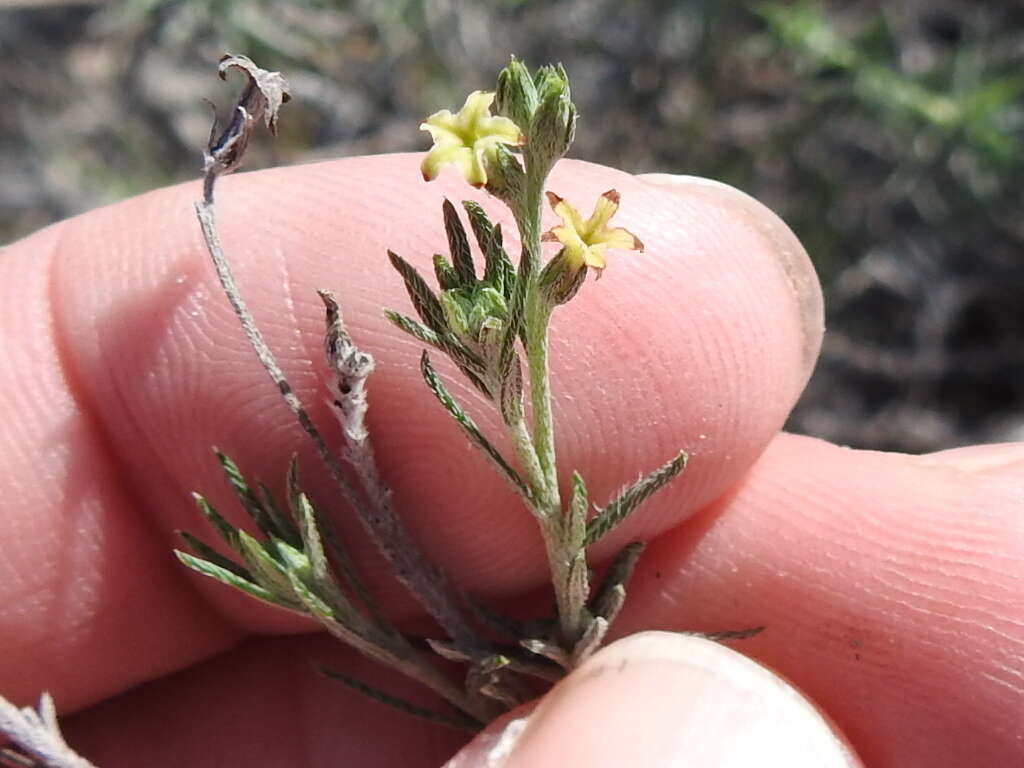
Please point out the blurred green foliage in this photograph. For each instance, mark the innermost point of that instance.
(887, 135)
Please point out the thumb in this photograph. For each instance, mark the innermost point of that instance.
(664, 699)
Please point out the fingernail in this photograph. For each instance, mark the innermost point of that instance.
(493, 746)
(795, 264)
(663, 699)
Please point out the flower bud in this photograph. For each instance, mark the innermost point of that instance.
(561, 278)
(554, 122)
(456, 312)
(516, 95)
(469, 313)
(506, 179)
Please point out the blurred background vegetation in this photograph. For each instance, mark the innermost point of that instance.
(888, 136)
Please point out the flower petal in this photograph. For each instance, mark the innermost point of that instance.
(593, 257)
(475, 110)
(620, 239)
(501, 130)
(441, 155)
(467, 137)
(569, 215)
(584, 243)
(605, 207)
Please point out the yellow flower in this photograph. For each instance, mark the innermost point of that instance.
(584, 242)
(465, 138)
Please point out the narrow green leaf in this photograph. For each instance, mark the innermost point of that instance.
(458, 245)
(458, 721)
(456, 312)
(468, 362)
(323, 574)
(470, 366)
(610, 595)
(252, 505)
(228, 577)
(293, 560)
(515, 324)
(578, 588)
(313, 536)
(446, 275)
(503, 265)
(311, 541)
(630, 498)
(225, 530)
(414, 328)
(479, 222)
(499, 270)
(267, 571)
(284, 524)
(577, 521)
(315, 605)
(423, 299)
(208, 553)
(469, 427)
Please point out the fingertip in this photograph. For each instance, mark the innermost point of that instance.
(659, 698)
(785, 248)
(995, 459)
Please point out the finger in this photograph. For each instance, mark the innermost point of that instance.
(659, 699)
(889, 587)
(265, 704)
(653, 696)
(137, 366)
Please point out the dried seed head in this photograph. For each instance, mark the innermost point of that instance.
(261, 99)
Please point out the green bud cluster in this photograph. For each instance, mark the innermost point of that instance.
(468, 319)
(541, 105)
(476, 315)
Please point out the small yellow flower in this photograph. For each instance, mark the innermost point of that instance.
(585, 241)
(465, 138)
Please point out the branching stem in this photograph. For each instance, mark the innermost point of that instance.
(424, 581)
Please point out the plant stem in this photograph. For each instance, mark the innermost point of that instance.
(537, 316)
(566, 561)
(523, 443)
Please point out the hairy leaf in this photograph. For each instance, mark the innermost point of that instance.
(266, 521)
(630, 498)
(208, 553)
(447, 277)
(228, 577)
(458, 245)
(424, 301)
(469, 427)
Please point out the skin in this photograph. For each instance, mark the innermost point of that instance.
(890, 585)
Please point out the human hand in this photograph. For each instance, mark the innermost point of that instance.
(889, 585)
